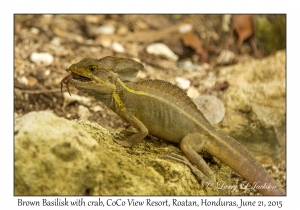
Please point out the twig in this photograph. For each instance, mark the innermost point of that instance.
(38, 91)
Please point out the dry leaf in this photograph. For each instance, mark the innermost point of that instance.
(221, 86)
(191, 40)
(243, 26)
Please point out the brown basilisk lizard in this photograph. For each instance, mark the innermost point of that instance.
(165, 111)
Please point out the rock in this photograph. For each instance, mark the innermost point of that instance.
(51, 159)
(117, 47)
(211, 107)
(54, 156)
(183, 83)
(41, 58)
(163, 50)
(255, 104)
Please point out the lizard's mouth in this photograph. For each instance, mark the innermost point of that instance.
(79, 77)
(73, 77)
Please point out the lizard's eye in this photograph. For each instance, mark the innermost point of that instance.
(92, 68)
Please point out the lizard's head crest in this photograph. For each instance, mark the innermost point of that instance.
(124, 68)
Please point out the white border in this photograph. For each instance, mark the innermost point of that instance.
(9, 8)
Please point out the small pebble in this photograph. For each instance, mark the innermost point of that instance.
(83, 112)
(122, 30)
(104, 41)
(189, 66)
(185, 28)
(192, 92)
(106, 29)
(97, 108)
(163, 50)
(41, 58)
(21, 71)
(226, 57)
(78, 38)
(49, 17)
(34, 30)
(183, 83)
(141, 75)
(23, 80)
(117, 47)
(205, 66)
(47, 72)
(81, 99)
(226, 20)
(32, 80)
(94, 19)
(55, 41)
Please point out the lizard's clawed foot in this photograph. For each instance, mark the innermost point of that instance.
(205, 181)
(122, 138)
(127, 133)
(123, 143)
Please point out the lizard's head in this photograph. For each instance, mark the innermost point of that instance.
(85, 70)
(101, 73)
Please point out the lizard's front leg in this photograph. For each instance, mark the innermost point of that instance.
(137, 137)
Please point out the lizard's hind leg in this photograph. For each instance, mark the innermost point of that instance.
(191, 144)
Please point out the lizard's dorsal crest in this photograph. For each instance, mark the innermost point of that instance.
(125, 68)
(171, 91)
